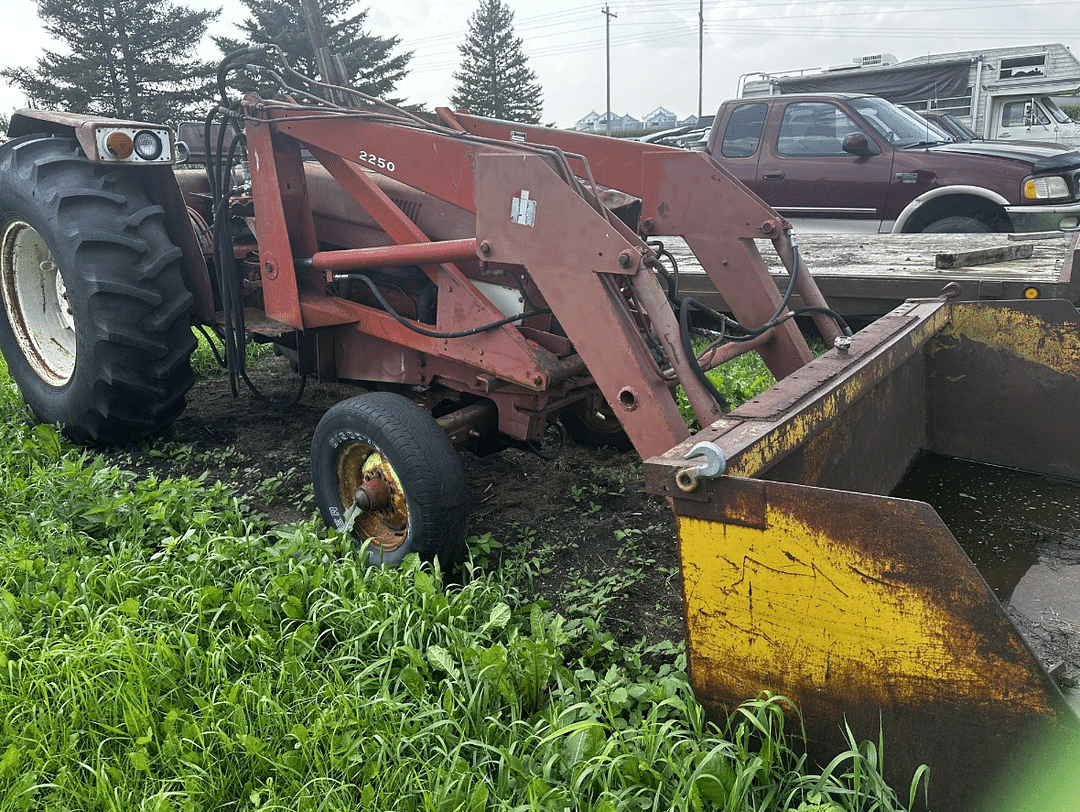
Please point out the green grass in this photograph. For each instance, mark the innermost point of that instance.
(162, 648)
(205, 363)
(738, 380)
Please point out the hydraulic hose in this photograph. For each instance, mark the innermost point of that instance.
(416, 328)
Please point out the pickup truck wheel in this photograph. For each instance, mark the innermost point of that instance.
(96, 329)
(389, 458)
(957, 225)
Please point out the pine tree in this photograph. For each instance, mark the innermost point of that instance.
(370, 64)
(128, 58)
(495, 79)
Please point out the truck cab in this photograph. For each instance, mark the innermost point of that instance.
(1032, 118)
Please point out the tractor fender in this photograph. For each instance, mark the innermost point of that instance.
(159, 184)
(912, 208)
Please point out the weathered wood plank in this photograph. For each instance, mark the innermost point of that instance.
(983, 256)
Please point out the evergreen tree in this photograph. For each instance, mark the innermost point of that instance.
(370, 64)
(128, 58)
(495, 79)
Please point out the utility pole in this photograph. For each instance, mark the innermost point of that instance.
(607, 43)
(700, 53)
(331, 68)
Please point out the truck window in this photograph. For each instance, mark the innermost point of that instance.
(743, 130)
(1012, 114)
(1059, 115)
(814, 128)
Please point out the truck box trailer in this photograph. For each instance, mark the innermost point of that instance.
(1001, 93)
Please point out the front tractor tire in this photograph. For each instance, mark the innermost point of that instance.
(595, 427)
(388, 457)
(96, 319)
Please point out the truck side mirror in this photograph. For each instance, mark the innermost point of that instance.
(857, 144)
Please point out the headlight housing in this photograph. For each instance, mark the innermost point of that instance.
(1047, 187)
(118, 143)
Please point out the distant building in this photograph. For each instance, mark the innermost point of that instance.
(587, 123)
(598, 123)
(660, 119)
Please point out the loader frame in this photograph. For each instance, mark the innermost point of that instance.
(567, 250)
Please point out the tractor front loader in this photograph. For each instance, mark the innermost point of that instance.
(489, 285)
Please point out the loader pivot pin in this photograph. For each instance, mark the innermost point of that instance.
(714, 465)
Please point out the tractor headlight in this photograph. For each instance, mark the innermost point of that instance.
(1049, 187)
(148, 145)
(132, 144)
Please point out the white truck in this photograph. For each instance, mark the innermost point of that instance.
(1000, 93)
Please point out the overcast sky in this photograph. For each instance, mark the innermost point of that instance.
(654, 43)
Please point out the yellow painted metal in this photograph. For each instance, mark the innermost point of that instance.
(802, 577)
(793, 608)
(865, 612)
(1016, 332)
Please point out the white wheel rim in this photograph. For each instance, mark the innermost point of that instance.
(36, 303)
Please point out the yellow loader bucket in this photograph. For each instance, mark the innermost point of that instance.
(802, 576)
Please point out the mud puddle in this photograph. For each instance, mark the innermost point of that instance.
(1022, 531)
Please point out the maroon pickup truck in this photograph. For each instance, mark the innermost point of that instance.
(846, 162)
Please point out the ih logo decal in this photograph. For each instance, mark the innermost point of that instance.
(523, 210)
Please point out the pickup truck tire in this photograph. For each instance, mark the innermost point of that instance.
(957, 225)
(96, 319)
(386, 445)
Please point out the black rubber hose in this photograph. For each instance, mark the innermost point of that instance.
(832, 314)
(226, 63)
(691, 358)
(404, 322)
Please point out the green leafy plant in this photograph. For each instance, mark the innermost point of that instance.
(163, 648)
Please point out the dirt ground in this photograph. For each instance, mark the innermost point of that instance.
(588, 537)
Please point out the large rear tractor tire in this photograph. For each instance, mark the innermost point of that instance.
(389, 457)
(96, 319)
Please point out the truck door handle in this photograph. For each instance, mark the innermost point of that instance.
(777, 175)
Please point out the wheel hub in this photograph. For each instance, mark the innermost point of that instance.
(36, 303)
(366, 479)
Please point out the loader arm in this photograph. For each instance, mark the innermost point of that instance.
(535, 212)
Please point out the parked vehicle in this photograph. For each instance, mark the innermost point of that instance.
(950, 125)
(999, 93)
(847, 162)
(689, 136)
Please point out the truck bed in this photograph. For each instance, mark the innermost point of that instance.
(867, 275)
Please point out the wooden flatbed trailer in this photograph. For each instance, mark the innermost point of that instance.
(867, 275)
